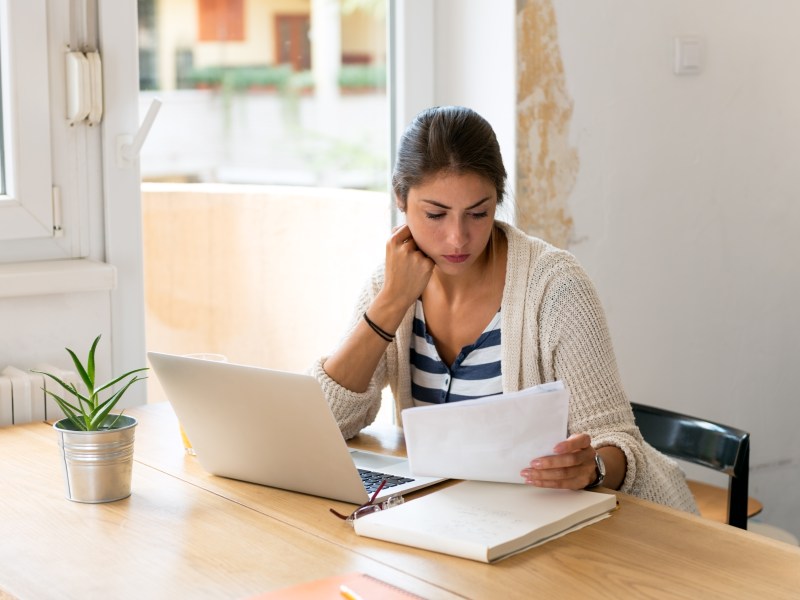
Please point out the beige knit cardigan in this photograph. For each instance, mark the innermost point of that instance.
(553, 327)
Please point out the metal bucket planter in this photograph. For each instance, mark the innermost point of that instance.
(97, 464)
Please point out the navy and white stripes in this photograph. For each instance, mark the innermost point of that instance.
(474, 374)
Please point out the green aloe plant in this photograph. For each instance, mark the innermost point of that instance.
(88, 412)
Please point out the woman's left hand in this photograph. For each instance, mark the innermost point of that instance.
(571, 466)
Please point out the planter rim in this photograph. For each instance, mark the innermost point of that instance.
(125, 422)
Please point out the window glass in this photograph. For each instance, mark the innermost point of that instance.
(148, 65)
(266, 91)
(265, 175)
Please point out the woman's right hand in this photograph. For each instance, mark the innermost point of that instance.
(408, 270)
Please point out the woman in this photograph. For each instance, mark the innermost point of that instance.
(467, 306)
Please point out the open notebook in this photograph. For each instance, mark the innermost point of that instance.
(486, 521)
(272, 428)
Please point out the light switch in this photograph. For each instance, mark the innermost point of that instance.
(689, 54)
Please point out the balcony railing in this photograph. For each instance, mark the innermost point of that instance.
(265, 275)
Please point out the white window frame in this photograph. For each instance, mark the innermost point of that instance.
(49, 165)
(101, 246)
(25, 208)
(119, 215)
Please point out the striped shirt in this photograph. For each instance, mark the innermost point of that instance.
(475, 373)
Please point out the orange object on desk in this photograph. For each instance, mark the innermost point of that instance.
(360, 585)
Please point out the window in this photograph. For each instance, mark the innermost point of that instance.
(220, 20)
(45, 194)
(25, 206)
(265, 195)
(148, 51)
(259, 110)
(90, 277)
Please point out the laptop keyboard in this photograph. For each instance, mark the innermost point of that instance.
(372, 479)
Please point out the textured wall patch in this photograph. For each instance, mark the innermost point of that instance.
(547, 166)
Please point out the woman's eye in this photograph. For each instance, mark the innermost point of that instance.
(479, 215)
(434, 215)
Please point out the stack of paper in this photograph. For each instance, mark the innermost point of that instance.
(489, 439)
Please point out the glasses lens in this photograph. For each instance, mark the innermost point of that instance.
(393, 501)
(365, 510)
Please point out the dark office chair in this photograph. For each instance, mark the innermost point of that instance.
(719, 447)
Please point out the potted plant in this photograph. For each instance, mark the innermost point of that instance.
(96, 445)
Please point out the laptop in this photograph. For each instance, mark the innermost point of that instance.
(273, 428)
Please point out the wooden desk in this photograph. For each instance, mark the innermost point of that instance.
(184, 533)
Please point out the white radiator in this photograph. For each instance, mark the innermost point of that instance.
(22, 397)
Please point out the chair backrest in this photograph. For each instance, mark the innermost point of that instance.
(719, 447)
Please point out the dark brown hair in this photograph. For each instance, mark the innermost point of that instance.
(451, 139)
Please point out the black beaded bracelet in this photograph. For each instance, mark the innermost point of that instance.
(384, 334)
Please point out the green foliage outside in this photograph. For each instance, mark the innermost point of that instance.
(281, 77)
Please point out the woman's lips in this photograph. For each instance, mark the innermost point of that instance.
(456, 258)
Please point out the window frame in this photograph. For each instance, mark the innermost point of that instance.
(53, 175)
(100, 250)
(26, 209)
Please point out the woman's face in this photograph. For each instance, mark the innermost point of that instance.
(451, 217)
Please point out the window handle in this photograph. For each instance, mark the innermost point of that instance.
(128, 147)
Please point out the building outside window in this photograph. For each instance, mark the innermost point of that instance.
(220, 20)
(244, 103)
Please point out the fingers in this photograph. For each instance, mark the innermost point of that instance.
(564, 479)
(571, 467)
(401, 235)
(575, 442)
(402, 245)
(408, 269)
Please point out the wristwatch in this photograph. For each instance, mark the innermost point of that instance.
(600, 468)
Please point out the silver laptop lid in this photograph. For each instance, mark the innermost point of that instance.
(272, 428)
(260, 425)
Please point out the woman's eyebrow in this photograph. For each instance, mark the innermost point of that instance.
(440, 205)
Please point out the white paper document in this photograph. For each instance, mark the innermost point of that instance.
(488, 439)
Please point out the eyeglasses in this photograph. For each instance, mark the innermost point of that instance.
(370, 507)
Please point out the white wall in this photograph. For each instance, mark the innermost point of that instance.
(38, 328)
(687, 207)
(475, 50)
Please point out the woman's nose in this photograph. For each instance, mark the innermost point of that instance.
(457, 233)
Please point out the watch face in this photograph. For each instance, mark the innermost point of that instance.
(601, 470)
(601, 466)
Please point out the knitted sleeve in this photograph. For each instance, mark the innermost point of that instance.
(576, 348)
